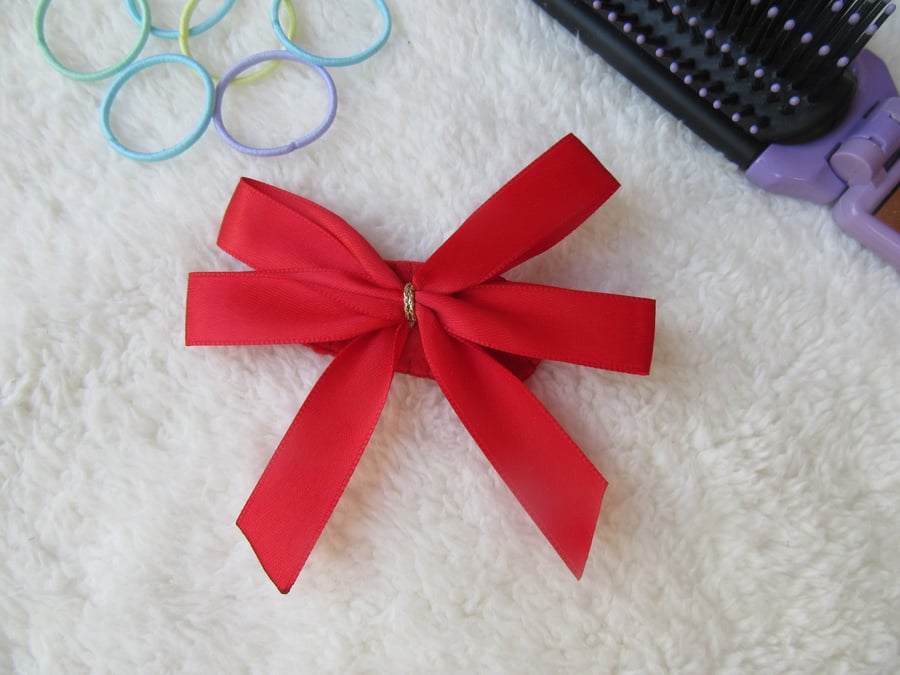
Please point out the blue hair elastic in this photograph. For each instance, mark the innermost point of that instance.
(249, 62)
(182, 145)
(326, 61)
(90, 76)
(201, 27)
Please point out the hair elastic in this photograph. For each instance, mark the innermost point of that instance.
(182, 145)
(249, 62)
(90, 76)
(333, 62)
(201, 27)
(184, 33)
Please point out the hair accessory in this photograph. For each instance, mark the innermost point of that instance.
(127, 67)
(183, 34)
(195, 30)
(333, 62)
(182, 145)
(251, 61)
(318, 282)
(90, 76)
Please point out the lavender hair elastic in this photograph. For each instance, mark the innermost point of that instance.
(90, 76)
(182, 145)
(249, 62)
(328, 61)
(201, 27)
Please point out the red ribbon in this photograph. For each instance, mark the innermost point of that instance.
(318, 282)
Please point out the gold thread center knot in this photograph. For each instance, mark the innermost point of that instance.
(409, 304)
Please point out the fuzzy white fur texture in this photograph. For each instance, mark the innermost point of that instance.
(751, 521)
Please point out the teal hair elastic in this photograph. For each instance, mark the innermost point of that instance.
(90, 76)
(327, 61)
(182, 145)
(201, 27)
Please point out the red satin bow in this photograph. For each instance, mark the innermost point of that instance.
(319, 283)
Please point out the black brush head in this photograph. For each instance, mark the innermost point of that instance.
(775, 69)
(742, 73)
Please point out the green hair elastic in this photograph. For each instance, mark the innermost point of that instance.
(184, 33)
(90, 76)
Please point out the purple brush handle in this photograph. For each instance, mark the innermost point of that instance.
(802, 170)
(847, 165)
(861, 161)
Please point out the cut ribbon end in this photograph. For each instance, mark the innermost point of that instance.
(576, 561)
(280, 570)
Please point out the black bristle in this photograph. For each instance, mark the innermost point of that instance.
(774, 69)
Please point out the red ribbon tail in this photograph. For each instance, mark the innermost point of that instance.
(306, 476)
(547, 472)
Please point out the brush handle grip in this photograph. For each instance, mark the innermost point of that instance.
(655, 80)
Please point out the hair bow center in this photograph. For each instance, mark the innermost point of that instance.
(409, 303)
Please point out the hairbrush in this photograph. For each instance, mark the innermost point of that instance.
(785, 90)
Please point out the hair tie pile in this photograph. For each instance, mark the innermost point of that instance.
(128, 66)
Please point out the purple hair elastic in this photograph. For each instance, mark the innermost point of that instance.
(249, 62)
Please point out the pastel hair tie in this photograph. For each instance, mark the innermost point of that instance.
(249, 62)
(91, 76)
(182, 145)
(184, 34)
(332, 62)
(201, 27)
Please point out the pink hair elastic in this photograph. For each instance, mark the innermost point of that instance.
(249, 62)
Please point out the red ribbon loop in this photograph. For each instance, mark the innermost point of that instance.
(318, 282)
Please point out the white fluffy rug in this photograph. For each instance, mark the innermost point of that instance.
(751, 521)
